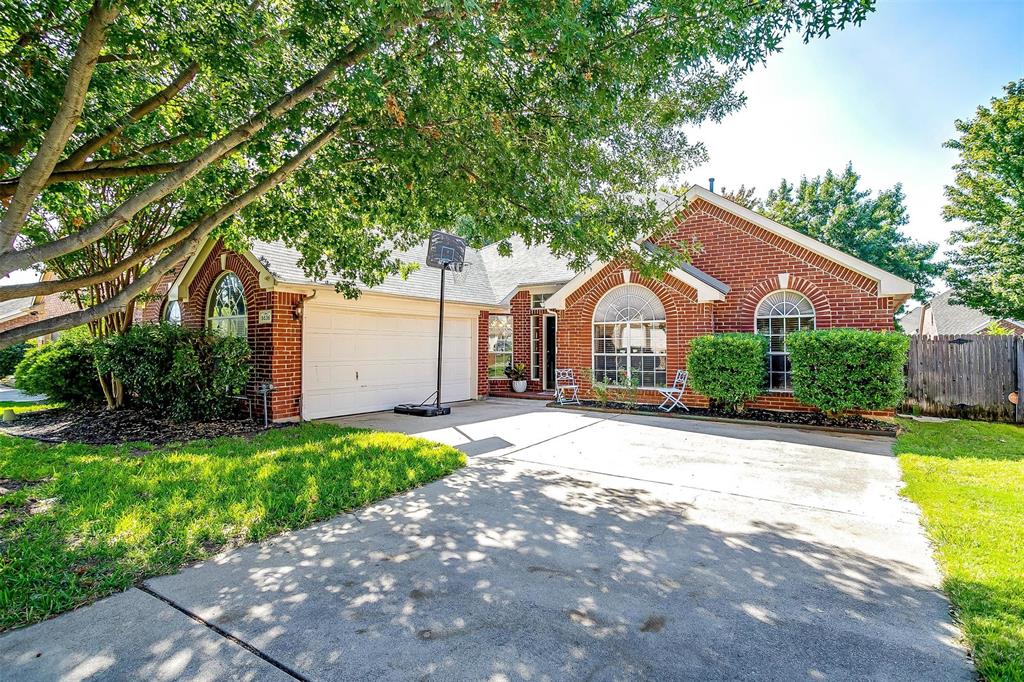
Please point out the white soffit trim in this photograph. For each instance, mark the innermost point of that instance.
(705, 292)
(187, 274)
(888, 283)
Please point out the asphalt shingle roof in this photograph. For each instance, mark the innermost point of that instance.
(15, 306)
(489, 277)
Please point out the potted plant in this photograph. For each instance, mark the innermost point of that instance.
(518, 374)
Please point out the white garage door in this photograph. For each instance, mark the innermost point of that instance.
(356, 362)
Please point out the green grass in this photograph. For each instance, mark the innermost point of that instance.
(95, 520)
(968, 479)
(27, 407)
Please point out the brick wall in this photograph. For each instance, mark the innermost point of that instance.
(153, 309)
(52, 305)
(750, 260)
(276, 346)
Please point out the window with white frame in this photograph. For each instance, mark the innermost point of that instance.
(499, 345)
(226, 310)
(172, 313)
(778, 314)
(536, 345)
(630, 340)
(539, 300)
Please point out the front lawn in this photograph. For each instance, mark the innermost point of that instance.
(78, 522)
(968, 479)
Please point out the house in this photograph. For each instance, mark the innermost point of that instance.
(327, 355)
(18, 312)
(941, 316)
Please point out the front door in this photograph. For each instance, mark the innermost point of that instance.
(549, 352)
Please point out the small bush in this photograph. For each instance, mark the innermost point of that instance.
(184, 373)
(64, 370)
(845, 369)
(728, 368)
(11, 356)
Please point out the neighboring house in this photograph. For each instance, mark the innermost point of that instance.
(21, 311)
(941, 316)
(327, 355)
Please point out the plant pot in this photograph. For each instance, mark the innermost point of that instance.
(519, 386)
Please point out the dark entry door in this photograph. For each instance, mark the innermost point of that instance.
(549, 351)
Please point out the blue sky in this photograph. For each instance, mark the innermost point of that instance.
(883, 95)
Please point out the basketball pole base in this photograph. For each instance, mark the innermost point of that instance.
(423, 410)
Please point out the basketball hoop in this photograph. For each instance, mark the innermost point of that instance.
(445, 252)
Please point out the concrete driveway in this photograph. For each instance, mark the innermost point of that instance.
(574, 545)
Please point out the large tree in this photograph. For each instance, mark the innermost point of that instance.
(348, 129)
(833, 209)
(987, 267)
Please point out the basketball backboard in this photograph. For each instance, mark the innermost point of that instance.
(446, 249)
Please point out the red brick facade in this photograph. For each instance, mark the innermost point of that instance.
(744, 256)
(46, 307)
(750, 260)
(276, 345)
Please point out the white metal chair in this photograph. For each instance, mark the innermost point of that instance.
(673, 394)
(567, 391)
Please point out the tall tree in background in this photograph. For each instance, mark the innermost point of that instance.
(834, 210)
(349, 129)
(744, 196)
(987, 267)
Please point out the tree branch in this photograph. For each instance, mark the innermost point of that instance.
(64, 121)
(90, 147)
(215, 151)
(55, 286)
(8, 187)
(183, 250)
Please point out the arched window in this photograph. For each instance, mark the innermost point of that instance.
(778, 314)
(226, 310)
(629, 337)
(172, 313)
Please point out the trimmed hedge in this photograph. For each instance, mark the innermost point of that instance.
(64, 370)
(728, 368)
(847, 369)
(184, 373)
(11, 356)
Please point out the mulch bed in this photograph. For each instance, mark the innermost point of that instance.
(97, 426)
(818, 419)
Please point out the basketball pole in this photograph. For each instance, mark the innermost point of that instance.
(440, 336)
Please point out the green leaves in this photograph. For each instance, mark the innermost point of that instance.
(509, 118)
(987, 269)
(834, 210)
(728, 368)
(845, 369)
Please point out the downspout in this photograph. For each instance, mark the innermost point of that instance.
(302, 318)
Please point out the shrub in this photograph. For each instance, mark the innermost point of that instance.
(185, 373)
(728, 368)
(845, 369)
(10, 357)
(64, 370)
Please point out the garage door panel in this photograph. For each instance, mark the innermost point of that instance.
(394, 356)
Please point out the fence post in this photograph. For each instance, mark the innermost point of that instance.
(1019, 411)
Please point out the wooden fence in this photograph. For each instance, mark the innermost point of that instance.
(972, 376)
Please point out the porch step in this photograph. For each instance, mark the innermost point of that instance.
(528, 395)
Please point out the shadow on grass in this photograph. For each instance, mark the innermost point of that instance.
(98, 519)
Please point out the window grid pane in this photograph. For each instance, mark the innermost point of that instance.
(778, 315)
(499, 345)
(629, 337)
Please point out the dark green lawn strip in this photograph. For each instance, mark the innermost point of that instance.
(968, 479)
(94, 520)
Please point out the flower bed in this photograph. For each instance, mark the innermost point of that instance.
(800, 419)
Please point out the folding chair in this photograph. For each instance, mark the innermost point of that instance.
(567, 392)
(674, 393)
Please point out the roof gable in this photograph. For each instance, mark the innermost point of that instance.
(887, 284)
